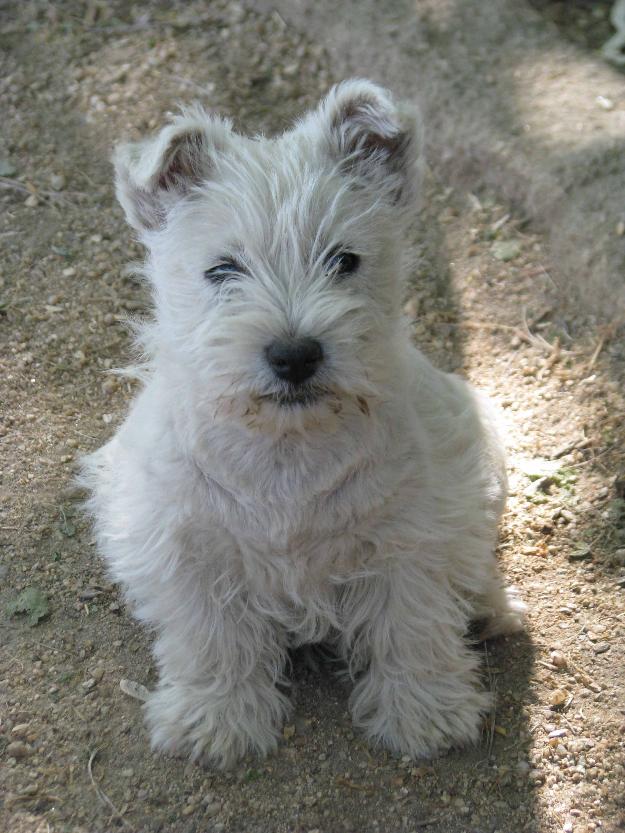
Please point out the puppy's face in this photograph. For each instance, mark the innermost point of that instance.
(276, 262)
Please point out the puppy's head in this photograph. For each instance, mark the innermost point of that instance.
(276, 262)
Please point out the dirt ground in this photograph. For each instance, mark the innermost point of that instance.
(516, 283)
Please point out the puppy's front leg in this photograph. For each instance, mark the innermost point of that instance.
(418, 692)
(217, 697)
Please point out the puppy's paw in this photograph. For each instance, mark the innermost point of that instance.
(507, 617)
(191, 721)
(423, 722)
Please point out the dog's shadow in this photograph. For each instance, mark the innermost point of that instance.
(482, 784)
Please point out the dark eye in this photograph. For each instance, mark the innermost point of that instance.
(223, 271)
(342, 263)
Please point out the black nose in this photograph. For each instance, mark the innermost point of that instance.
(294, 361)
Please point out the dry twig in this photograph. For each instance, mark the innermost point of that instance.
(28, 188)
(346, 782)
(607, 334)
(102, 795)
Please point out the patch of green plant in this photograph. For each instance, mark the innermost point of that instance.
(565, 478)
(32, 602)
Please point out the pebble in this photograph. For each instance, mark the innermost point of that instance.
(604, 102)
(213, 808)
(57, 182)
(618, 557)
(558, 697)
(601, 647)
(20, 730)
(18, 749)
(7, 167)
(558, 659)
(31, 201)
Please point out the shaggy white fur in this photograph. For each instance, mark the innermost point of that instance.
(243, 516)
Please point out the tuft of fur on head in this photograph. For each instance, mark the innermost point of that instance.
(343, 178)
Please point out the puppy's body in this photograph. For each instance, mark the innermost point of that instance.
(244, 514)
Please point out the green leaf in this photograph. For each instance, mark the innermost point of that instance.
(31, 601)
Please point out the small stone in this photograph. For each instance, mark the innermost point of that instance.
(109, 385)
(288, 732)
(557, 733)
(581, 553)
(506, 250)
(89, 684)
(69, 272)
(7, 168)
(31, 201)
(601, 647)
(20, 730)
(620, 228)
(411, 307)
(57, 182)
(558, 659)
(18, 749)
(558, 697)
(213, 808)
(134, 689)
(618, 557)
(98, 673)
(604, 102)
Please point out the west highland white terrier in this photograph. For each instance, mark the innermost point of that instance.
(294, 470)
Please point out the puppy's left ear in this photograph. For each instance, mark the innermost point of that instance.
(374, 138)
(151, 176)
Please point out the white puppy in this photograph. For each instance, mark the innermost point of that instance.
(294, 470)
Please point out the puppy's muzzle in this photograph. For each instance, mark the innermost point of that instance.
(294, 362)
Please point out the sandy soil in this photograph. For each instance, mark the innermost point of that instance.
(498, 292)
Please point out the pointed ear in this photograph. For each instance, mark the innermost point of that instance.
(374, 137)
(154, 174)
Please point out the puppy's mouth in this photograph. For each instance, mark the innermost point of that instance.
(301, 397)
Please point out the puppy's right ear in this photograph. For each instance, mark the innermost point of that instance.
(153, 175)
